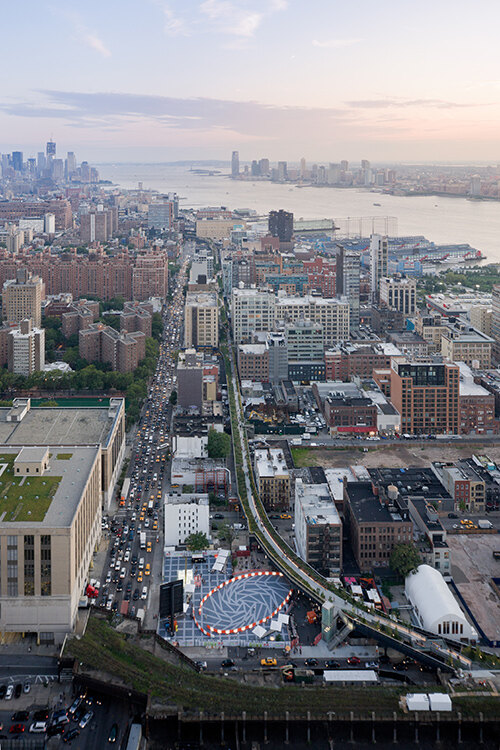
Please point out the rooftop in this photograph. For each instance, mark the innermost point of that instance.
(58, 426)
(270, 462)
(317, 503)
(51, 499)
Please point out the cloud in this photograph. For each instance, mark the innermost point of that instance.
(335, 43)
(173, 25)
(231, 19)
(96, 43)
(386, 103)
(82, 32)
(246, 120)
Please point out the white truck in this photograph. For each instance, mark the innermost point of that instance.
(484, 524)
(143, 540)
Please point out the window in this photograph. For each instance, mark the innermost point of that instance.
(45, 565)
(29, 565)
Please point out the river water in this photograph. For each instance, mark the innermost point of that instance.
(440, 219)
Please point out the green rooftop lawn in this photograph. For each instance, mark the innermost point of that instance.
(64, 456)
(29, 502)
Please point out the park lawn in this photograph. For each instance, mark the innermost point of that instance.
(29, 502)
(303, 457)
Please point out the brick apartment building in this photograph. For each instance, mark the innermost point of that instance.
(137, 316)
(350, 414)
(426, 395)
(18, 209)
(96, 275)
(347, 360)
(79, 316)
(253, 362)
(123, 351)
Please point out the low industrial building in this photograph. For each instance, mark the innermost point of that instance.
(50, 527)
(101, 426)
(434, 606)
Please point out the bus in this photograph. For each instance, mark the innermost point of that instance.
(125, 491)
(150, 508)
(134, 737)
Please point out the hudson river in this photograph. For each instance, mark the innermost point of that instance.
(440, 219)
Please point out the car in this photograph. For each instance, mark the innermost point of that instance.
(18, 690)
(85, 719)
(20, 716)
(225, 663)
(354, 660)
(113, 735)
(371, 664)
(72, 735)
(60, 716)
(147, 570)
(202, 665)
(41, 715)
(136, 594)
(26, 686)
(332, 664)
(16, 729)
(218, 515)
(38, 727)
(144, 594)
(54, 729)
(139, 577)
(285, 516)
(310, 662)
(452, 515)
(75, 705)
(268, 662)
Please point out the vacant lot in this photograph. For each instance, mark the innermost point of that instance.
(390, 456)
(472, 566)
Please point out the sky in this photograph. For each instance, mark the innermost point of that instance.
(160, 80)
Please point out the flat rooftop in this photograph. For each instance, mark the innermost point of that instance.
(366, 506)
(270, 462)
(317, 503)
(50, 500)
(58, 426)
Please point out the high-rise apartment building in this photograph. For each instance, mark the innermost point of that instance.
(26, 349)
(14, 210)
(333, 314)
(17, 161)
(235, 164)
(150, 276)
(161, 214)
(426, 395)
(22, 298)
(399, 293)
(378, 262)
(281, 225)
(201, 320)
(123, 351)
(347, 282)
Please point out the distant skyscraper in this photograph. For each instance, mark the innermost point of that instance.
(281, 225)
(303, 167)
(50, 149)
(282, 170)
(255, 168)
(70, 164)
(344, 165)
(17, 161)
(365, 164)
(41, 162)
(235, 164)
(264, 166)
(378, 262)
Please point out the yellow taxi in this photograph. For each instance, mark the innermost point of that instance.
(139, 576)
(155, 525)
(147, 569)
(149, 547)
(285, 516)
(142, 517)
(269, 662)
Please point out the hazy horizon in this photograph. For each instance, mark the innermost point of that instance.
(163, 80)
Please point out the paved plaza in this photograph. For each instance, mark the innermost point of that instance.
(241, 603)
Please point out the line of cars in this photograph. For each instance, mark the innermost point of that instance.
(135, 527)
(7, 692)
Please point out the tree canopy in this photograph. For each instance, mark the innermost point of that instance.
(404, 559)
(197, 542)
(219, 444)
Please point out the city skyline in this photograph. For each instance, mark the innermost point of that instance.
(166, 81)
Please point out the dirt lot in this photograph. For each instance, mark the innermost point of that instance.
(390, 456)
(472, 566)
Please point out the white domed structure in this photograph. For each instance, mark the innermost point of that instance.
(435, 607)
